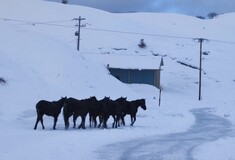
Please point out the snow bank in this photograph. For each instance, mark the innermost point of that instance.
(38, 58)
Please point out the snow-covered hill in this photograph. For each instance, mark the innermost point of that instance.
(39, 60)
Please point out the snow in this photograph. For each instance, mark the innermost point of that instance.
(39, 60)
(220, 149)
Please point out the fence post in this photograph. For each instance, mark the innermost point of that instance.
(160, 93)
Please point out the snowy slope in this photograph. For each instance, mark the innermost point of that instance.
(39, 60)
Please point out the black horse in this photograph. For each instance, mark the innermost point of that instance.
(111, 108)
(77, 108)
(95, 111)
(121, 102)
(102, 112)
(50, 109)
(131, 108)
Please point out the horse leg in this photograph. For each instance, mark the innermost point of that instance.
(55, 121)
(36, 124)
(123, 120)
(95, 121)
(90, 119)
(133, 119)
(66, 123)
(105, 119)
(105, 124)
(114, 121)
(82, 125)
(83, 122)
(100, 121)
(74, 121)
(117, 121)
(41, 119)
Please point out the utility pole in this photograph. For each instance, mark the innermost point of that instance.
(200, 40)
(160, 88)
(77, 33)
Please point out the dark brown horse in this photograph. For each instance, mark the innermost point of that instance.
(111, 108)
(50, 109)
(131, 108)
(77, 108)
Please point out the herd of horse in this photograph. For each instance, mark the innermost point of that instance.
(101, 109)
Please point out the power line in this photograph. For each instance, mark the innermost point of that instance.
(51, 23)
(38, 23)
(58, 21)
(156, 35)
(138, 33)
(220, 41)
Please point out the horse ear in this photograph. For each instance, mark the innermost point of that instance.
(64, 97)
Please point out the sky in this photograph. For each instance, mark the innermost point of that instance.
(188, 7)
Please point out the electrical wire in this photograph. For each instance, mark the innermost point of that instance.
(138, 33)
(51, 23)
(39, 23)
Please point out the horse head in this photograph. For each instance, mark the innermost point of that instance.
(93, 98)
(142, 104)
(63, 101)
(123, 98)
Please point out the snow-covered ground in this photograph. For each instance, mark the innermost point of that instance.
(39, 60)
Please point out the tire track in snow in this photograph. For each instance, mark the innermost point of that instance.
(180, 146)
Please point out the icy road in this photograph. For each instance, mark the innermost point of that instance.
(180, 146)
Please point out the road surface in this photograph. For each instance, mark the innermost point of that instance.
(180, 146)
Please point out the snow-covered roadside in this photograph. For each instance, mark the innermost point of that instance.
(207, 128)
(41, 62)
(220, 149)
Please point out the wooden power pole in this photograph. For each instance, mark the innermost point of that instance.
(200, 40)
(200, 70)
(77, 33)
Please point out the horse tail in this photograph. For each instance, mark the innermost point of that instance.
(37, 110)
(64, 111)
(66, 118)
